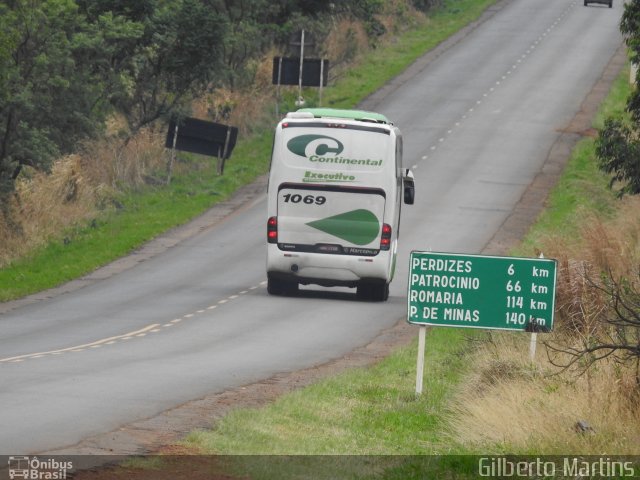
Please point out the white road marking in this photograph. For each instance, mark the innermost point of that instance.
(79, 348)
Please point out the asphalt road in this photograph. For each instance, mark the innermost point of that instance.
(479, 120)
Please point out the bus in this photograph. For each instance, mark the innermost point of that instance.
(336, 186)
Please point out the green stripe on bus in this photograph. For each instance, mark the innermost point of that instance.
(360, 227)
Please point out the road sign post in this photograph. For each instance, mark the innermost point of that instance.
(420, 370)
(479, 291)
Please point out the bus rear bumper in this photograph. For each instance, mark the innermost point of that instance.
(326, 269)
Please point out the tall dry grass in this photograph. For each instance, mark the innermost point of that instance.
(109, 163)
(43, 205)
(510, 404)
(76, 190)
(253, 103)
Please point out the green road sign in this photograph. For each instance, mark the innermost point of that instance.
(477, 291)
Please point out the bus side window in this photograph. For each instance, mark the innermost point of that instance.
(273, 146)
(398, 153)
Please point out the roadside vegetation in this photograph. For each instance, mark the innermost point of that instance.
(372, 411)
(582, 396)
(67, 207)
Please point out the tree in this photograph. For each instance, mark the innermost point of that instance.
(618, 151)
(47, 99)
(173, 53)
(65, 65)
(617, 146)
(256, 25)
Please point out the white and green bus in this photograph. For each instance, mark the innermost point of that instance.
(336, 185)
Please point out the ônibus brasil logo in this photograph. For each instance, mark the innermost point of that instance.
(38, 469)
(310, 145)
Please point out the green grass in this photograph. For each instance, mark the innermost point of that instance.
(581, 190)
(372, 411)
(361, 413)
(616, 102)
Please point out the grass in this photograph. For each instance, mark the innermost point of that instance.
(528, 409)
(363, 412)
(581, 190)
(615, 104)
(355, 425)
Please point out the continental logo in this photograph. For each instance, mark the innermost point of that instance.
(321, 177)
(343, 161)
(314, 145)
(323, 149)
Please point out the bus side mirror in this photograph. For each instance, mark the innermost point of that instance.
(409, 187)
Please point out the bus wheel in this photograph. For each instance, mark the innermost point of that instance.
(382, 293)
(275, 286)
(377, 292)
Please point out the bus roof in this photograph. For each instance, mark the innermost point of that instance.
(361, 115)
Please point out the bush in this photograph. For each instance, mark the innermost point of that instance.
(618, 152)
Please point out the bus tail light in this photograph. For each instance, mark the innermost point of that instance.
(272, 230)
(385, 239)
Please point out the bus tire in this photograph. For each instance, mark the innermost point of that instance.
(276, 286)
(376, 292)
(382, 293)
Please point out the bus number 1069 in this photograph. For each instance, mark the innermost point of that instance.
(308, 199)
